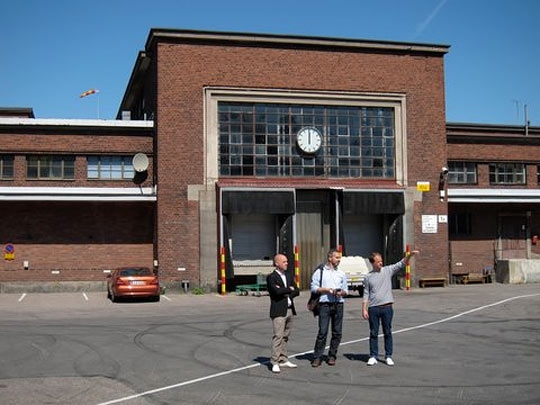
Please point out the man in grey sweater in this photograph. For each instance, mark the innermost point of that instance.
(377, 304)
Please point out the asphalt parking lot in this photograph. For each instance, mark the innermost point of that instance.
(467, 344)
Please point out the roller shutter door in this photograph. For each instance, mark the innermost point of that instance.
(253, 236)
(363, 234)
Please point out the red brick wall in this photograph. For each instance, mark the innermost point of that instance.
(44, 142)
(471, 253)
(527, 154)
(73, 262)
(493, 153)
(184, 70)
(484, 145)
(79, 239)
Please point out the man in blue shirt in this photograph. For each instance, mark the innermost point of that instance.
(332, 288)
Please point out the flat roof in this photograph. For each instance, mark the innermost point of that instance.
(288, 40)
(15, 121)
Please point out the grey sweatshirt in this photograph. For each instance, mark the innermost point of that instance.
(378, 284)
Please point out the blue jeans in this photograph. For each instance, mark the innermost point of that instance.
(382, 315)
(329, 313)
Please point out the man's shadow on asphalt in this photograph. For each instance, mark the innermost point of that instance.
(349, 356)
(357, 357)
(262, 360)
(309, 356)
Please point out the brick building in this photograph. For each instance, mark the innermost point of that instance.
(256, 144)
(228, 110)
(493, 195)
(72, 206)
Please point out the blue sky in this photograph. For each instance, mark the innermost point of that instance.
(54, 50)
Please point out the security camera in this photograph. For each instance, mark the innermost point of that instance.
(444, 170)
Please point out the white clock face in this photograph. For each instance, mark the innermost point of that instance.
(309, 139)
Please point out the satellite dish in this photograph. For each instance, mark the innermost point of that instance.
(140, 162)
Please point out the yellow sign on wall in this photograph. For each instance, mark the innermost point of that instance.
(423, 186)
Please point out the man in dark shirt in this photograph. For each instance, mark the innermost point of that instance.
(282, 289)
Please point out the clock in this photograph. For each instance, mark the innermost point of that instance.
(309, 139)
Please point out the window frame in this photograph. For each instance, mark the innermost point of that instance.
(510, 177)
(50, 167)
(110, 167)
(7, 167)
(259, 139)
(462, 172)
(213, 95)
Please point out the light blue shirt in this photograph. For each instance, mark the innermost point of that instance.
(332, 278)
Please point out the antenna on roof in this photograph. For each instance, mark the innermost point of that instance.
(526, 112)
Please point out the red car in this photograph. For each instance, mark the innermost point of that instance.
(132, 282)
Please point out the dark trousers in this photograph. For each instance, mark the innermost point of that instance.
(382, 315)
(330, 313)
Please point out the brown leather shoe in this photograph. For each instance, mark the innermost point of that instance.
(332, 361)
(315, 362)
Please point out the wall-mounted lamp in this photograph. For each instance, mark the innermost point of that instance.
(442, 181)
(26, 265)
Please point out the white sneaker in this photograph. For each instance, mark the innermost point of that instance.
(372, 361)
(275, 368)
(389, 361)
(288, 364)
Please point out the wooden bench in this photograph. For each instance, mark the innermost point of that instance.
(432, 282)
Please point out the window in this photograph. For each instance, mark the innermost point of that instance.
(50, 167)
(461, 173)
(110, 167)
(6, 167)
(259, 139)
(507, 173)
(459, 224)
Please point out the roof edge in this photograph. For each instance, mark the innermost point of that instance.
(33, 122)
(276, 39)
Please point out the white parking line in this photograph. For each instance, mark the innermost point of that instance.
(236, 370)
(22, 297)
(85, 296)
(167, 298)
(450, 318)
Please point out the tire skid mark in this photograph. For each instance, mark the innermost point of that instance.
(230, 332)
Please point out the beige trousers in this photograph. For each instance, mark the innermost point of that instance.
(281, 331)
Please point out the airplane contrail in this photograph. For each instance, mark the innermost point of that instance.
(421, 27)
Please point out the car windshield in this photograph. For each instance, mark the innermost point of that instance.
(135, 272)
